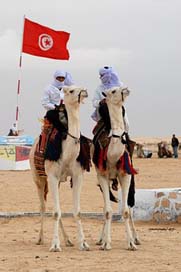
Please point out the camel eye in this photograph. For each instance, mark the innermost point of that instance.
(71, 91)
(113, 92)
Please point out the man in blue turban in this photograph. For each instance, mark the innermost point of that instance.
(109, 78)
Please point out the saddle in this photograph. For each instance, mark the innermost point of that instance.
(101, 142)
(55, 130)
(101, 134)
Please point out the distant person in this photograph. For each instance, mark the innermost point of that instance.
(175, 144)
(13, 131)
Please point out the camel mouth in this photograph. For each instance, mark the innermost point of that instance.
(126, 91)
(84, 93)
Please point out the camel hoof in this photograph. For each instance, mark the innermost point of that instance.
(137, 241)
(105, 246)
(39, 242)
(132, 246)
(69, 243)
(84, 246)
(99, 243)
(55, 248)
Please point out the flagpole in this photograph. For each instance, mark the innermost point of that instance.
(19, 79)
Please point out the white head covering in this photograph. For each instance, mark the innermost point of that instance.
(68, 79)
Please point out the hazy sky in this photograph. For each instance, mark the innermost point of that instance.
(140, 38)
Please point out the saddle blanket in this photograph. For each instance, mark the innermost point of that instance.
(124, 164)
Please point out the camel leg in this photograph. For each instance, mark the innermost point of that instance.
(102, 233)
(125, 183)
(134, 232)
(77, 183)
(40, 183)
(68, 242)
(42, 211)
(53, 182)
(106, 231)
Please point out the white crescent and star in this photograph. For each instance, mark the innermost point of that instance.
(45, 42)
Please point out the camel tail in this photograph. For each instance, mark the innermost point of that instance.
(131, 194)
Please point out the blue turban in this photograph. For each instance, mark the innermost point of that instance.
(109, 78)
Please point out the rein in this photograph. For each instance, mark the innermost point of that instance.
(120, 137)
(79, 97)
(77, 140)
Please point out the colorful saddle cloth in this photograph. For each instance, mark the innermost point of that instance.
(49, 146)
(124, 164)
(101, 142)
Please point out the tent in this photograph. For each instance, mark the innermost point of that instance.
(14, 152)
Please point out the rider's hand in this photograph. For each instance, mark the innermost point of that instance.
(57, 107)
(102, 102)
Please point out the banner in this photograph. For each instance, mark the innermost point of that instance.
(22, 153)
(8, 152)
(42, 41)
(17, 140)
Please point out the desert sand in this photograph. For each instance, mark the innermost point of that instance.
(160, 243)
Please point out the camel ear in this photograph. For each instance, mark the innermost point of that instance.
(104, 94)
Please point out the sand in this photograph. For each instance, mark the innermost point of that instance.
(161, 243)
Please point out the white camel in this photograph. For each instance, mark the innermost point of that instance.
(115, 98)
(58, 171)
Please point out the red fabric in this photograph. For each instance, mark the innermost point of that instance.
(22, 153)
(102, 159)
(123, 165)
(44, 42)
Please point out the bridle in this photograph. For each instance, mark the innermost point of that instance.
(79, 95)
(119, 137)
(77, 140)
(122, 94)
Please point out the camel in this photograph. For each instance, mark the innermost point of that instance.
(139, 150)
(163, 150)
(116, 148)
(58, 171)
(143, 153)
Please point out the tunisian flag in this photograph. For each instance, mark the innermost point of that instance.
(39, 40)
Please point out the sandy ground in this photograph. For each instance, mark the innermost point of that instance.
(161, 244)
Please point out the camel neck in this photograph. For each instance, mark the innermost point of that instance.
(73, 121)
(116, 117)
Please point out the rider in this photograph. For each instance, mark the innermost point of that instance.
(109, 78)
(53, 97)
(53, 94)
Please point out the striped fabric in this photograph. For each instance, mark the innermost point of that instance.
(39, 161)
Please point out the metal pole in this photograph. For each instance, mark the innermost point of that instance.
(19, 79)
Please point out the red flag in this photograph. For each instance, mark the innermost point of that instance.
(44, 42)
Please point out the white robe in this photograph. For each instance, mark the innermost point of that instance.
(98, 96)
(52, 96)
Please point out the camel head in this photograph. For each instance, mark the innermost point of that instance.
(74, 95)
(117, 95)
